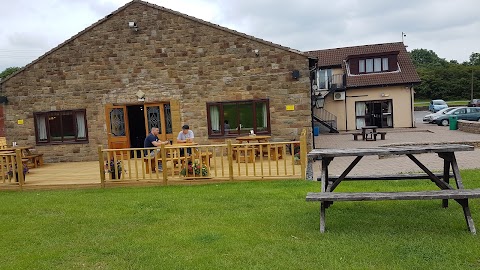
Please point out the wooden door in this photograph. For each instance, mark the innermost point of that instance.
(117, 126)
(159, 115)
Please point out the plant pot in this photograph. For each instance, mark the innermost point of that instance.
(114, 175)
(24, 177)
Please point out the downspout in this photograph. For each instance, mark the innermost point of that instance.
(312, 81)
(312, 67)
(412, 105)
(346, 115)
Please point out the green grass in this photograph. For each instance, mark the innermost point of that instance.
(422, 103)
(249, 225)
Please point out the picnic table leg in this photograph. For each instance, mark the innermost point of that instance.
(446, 178)
(322, 217)
(324, 177)
(468, 216)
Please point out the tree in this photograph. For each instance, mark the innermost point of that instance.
(9, 71)
(475, 59)
(424, 58)
(443, 79)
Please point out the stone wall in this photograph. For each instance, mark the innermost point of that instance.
(469, 126)
(170, 57)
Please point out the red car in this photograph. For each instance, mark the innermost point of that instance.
(474, 103)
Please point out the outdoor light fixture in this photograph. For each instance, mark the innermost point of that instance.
(133, 25)
(140, 95)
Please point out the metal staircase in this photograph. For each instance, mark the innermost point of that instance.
(327, 119)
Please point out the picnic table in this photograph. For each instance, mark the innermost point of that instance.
(445, 152)
(35, 159)
(367, 133)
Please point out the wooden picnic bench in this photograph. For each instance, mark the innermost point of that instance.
(372, 136)
(447, 152)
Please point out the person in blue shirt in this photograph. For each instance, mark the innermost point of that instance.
(152, 141)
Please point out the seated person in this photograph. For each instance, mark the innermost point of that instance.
(226, 126)
(185, 136)
(152, 141)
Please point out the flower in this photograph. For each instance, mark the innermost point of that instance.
(194, 169)
(25, 169)
(111, 167)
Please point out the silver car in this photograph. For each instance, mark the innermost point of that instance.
(432, 116)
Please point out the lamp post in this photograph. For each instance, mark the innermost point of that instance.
(471, 87)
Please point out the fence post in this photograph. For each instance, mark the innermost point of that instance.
(230, 159)
(19, 168)
(101, 163)
(303, 153)
(163, 155)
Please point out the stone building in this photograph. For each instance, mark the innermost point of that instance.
(143, 66)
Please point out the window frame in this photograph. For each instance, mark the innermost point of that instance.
(235, 133)
(363, 67)
(49, 140)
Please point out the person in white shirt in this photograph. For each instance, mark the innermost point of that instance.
(185, 136)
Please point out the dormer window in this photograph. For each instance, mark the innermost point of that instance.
(373, 64)
(370, 65)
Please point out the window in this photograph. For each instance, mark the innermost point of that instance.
(371, 65)
(61, 127)
(374, 113)
(324, 78)
(233, 118)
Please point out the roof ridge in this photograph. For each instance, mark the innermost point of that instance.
(348, 47)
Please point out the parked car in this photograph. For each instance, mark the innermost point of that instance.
(463, 113)
(431, 116)
(474, 103)
(436, 105)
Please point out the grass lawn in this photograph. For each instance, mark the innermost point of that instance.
(423, 103)
(249, 225)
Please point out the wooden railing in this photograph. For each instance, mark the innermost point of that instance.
(219, 162)
(12, 168)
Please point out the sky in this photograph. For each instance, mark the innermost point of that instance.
(449, 28)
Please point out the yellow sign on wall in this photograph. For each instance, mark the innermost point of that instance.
(20, 121)
(290, 107)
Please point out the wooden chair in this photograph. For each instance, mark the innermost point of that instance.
(3, 143)
(244, 154)
(276, 151)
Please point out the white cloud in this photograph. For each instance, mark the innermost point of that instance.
(450, 28)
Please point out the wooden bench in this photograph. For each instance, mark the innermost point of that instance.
(356, 135)
(459, 195)
(371, 136)
(35, 159)
(382, 134)
(406, 176)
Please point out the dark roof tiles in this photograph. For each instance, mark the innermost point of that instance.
(337, 57)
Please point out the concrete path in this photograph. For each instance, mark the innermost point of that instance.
(423, 133)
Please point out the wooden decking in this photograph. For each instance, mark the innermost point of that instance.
(87, 174)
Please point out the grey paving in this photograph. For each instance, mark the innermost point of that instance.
(423, 133)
